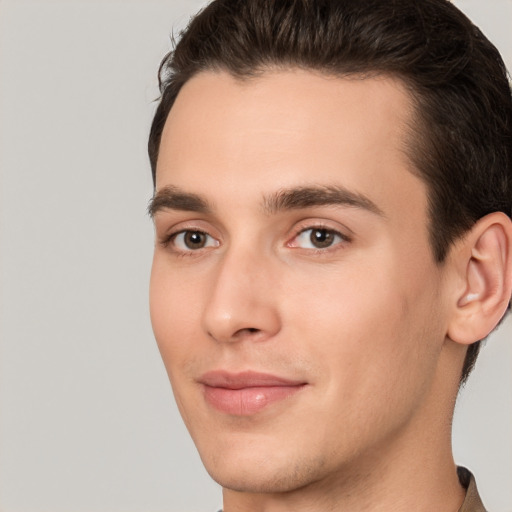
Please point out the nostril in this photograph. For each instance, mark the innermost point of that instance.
(246, 331)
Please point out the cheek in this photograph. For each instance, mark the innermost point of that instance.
(348, 301)
(373, 326)
(173, 314)
(175, 323)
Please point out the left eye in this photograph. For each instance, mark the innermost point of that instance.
(317, 238)
(193, 240)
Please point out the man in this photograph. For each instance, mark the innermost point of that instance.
(333, 220)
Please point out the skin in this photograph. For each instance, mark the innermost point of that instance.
(362, 322)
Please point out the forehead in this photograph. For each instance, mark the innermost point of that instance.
(288, 128)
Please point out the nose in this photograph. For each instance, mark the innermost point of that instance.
(242, 301)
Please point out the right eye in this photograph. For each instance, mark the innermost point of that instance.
(190, 240)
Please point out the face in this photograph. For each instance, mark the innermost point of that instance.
(294, 296)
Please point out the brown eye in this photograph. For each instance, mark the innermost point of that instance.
(186, 241)
(318, 238)
(194, 239)
(321, 238)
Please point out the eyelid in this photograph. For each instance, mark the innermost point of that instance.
(168, 233)
(178, 236)
(320, 225)
(174, 233)
(198, 225)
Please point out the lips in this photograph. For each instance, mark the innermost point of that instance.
(246, 393)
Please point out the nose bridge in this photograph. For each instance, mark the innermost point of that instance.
(240, 302)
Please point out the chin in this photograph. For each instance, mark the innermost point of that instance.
(264, 474)
(254, 481)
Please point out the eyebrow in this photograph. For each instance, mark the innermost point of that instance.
(173, 198)
(296, 198)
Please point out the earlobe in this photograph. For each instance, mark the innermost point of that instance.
(487, 279)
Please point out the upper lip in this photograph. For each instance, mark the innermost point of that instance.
(246, 379)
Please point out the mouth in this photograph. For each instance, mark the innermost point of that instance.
(246, 393)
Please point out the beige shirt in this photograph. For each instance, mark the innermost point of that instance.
(472, 502)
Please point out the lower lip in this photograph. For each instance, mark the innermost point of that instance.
(247, 401)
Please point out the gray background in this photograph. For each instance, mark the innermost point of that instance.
(87, 420)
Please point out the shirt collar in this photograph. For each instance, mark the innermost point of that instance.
(472, 502)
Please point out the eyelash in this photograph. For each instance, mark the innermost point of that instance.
(343, 238)
(172, 236)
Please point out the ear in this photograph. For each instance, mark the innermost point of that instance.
(484, 282)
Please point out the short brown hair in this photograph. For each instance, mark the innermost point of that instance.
(462, 144)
